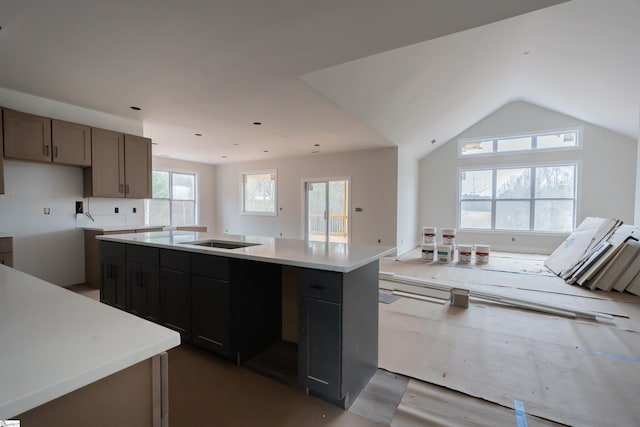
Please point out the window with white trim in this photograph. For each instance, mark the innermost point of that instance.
(259, 192)
(174, 198)
(564, 139)
(540, 198)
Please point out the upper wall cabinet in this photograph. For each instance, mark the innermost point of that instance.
(120, 166)
(41, 139)
(137, 167)
(1, 158)
(71, 143)
(26, 136)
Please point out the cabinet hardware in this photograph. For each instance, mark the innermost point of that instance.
(127, 189)
(121, 188)
(55, 151)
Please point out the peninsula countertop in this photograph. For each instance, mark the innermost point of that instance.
(55, 341)
(340, 257)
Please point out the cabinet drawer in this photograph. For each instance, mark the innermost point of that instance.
(143, 254)
(174, 260)
(112, 249)
(320, 284)
(212, 266)
(6, 244)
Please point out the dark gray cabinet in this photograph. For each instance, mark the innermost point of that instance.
(113, 289)
(233, 308)
(142, 282)
(211, 303)
(319, 347)
(175, 292)
(338, 340)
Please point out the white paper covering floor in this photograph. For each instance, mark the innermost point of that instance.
(575, 372)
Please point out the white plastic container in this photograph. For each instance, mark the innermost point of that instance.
(428, 252)
(449, 236)
(444, 253)
(482, 254)
(429, 235)
(464, 253)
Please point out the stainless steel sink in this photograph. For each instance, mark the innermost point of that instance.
(221, 244)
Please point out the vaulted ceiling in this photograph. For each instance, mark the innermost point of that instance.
(327, 76)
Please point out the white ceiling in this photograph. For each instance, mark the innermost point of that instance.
(344, 74)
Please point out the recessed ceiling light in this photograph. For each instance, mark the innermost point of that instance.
(224, 157)
(197, 134)
(433, 141)
(133, 107)
(154, 143)
(265, 151)
(314, 152)
(257, 123)
(235, 143)
(316, 145)
(526, 52)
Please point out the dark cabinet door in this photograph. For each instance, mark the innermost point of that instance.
(144, 293)
(175, 301)
(113, 289)
(319, 352)
(113, 280)
(211, 314)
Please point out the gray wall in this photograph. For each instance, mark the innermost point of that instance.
(373, 175)
(607, 170)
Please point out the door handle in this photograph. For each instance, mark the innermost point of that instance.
(121, 188)
(127, 189)
(55, 151)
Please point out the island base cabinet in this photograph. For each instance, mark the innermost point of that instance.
(175, 292)
(142, 282)
(338, 348)
(319, 351)
(211, 311)
(113, 289)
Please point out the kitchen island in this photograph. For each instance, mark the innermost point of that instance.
(240, 297)
(69, 360)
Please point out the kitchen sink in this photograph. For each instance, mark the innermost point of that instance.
(221, 244)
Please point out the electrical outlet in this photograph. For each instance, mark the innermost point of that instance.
(117, 210)
(134, 210)
(379, 240)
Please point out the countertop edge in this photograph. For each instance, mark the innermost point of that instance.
(234, 253)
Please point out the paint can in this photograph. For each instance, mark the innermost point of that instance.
(482, 254)
(428, 251)
(449, 236)
(429, 235)
(464, 253)
(444, 253)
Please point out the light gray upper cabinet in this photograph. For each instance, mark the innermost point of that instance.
(26, 136)
(71, 143)
(41, 139)
(120, 166)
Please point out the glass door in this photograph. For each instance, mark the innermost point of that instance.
(327, 210)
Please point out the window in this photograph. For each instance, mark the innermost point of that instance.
(532, 198)
(259, 192)
(174, 199)
(535, 142)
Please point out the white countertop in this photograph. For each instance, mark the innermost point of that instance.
(4, 235)
(109, 228)
(54, 341)
(339, 257)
